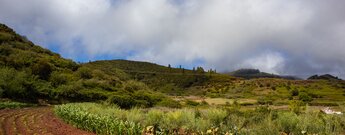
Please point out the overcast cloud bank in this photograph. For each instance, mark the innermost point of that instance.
(286, 37)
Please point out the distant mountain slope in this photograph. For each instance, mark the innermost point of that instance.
(323, 77)
(136, 66)
(157, 76)
(256, 73)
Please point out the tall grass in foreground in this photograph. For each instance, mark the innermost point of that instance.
(97, 118)
(103, 119)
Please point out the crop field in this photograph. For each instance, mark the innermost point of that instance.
(34, 121)
(105, 119)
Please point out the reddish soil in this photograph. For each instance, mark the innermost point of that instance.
(35, 121)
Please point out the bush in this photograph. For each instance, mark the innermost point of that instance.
(304, 97)
(167, 102)
(43, 69)
(58, 78)
(288, 123)
(264, 101)
(146, 99)
(132, 86)
(17, 85)
(177, 119)
(123, 101)
(295, 106)
(294, 92)
(68, 91)
(84, 73)
(192, 103)
(154, 118)
(215, 116)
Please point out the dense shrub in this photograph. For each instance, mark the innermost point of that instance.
(147, 99)
(17, 85)
(132, 86)
(42, 69)
(288, 123)
(303, 96)
(294, 92)
(84, 73)
(123, 101)
(264, 101)
(192, 103)
(167, 102)
(296, 106)
(58, 78)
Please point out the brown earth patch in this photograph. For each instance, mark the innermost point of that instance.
(37, 120)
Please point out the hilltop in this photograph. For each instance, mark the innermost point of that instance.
(256, 73)
(324, 77)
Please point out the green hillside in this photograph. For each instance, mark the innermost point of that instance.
(26, 69)
(172, 81)
(31, 73)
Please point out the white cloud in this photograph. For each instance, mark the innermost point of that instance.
(268, 61)
(301, 36)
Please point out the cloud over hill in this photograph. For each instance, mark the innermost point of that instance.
(286, 37)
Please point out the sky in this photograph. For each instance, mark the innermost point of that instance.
(295, 37)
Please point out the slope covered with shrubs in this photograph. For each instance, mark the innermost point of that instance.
(31, 73)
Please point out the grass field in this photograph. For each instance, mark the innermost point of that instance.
(104, 119)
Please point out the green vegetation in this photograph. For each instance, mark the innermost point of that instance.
(172, 100)
(255, 73)
(103, 119)
(30, 73)
(12, 104)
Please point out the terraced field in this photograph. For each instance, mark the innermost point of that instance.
(35, 121)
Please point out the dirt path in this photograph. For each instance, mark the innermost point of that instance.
(35, 121)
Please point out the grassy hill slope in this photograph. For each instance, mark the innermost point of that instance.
(173, 81)
(31, 73)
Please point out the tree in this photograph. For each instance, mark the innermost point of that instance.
(169, 66)
(43, 69)
(200, 70)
